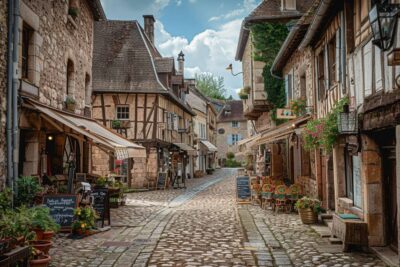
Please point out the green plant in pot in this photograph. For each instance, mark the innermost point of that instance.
(85, 220)
(116, 124)
(27, 188)
(101, 182)
(5, 200)
(37, 258)
(42, 223)
(308, 209)
(70, 103)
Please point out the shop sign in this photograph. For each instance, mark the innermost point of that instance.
(285, 113)
(243, 189)
(101, 204)
(61, 208)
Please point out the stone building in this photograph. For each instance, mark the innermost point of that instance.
(55, 68)
(141, 95)
(3, 89)
(204, 130)
(231, 128)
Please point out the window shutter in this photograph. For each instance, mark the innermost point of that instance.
(229, 139)
(378, 69)
(367, 54)
(338, 55)
(287, 89)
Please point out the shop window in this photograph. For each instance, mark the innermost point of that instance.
(353, 178)
(70, 77)
(332, 64)
(122, 112)
(27, 33)
(235, 124)
(321, 75)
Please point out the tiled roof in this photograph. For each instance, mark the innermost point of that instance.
(177, 79)
(235, 114)
(122, 60)
(97, 9)
(164, 64)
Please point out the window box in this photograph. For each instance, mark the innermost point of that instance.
(120, 124)
(70, 104)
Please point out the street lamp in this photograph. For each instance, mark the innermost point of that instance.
(383, 20)
(347, 121)
(230, 68)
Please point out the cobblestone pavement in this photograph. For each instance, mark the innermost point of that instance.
(203, 226)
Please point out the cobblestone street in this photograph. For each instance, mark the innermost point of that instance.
(203, 226)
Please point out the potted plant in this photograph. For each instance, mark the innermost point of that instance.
(5, 200)
(70, 103)
(84, 222)
(43, 224)
(101, 182)
(116, 124)
(27, 188)
(308, 209)
(38, 258)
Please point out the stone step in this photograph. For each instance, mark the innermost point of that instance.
(322, 230)
(335, 241)
(326, 216)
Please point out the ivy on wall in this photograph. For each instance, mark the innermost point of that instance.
(267, 40)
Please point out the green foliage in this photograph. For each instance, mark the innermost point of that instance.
(309, 203)
(27, 188)
(243, 95)
(324, 132)
(70, 100)
(5, 200)
(85, 219)
(101, 181)
(230, 155)
(41, 219)
(299, 106)
(116, 124)
(267, 40)
(232, 163)
(16, 223)
(210, 85)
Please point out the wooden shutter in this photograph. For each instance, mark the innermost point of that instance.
(287, 89)
(358, 78)
(378, 69)
(338, 54)
(367, 55)
(229, 139)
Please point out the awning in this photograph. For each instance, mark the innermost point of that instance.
(209, 146)
(100, 135)
(190, 150)
(245, 144)
(280, 132)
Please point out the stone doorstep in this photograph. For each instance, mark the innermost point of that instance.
(322, 230)
(387, 255)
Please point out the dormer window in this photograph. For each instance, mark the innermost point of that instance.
(288, 5)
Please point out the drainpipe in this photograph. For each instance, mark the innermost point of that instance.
(15, 91)
(343, 52)
(9, 93)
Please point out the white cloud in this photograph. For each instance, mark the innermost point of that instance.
(192, 1)
(178, 2)
(209, 51)
(244, 8)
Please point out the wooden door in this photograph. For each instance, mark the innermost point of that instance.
(391, 202)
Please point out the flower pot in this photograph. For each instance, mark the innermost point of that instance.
(70, 106)
(39, 233)
(47, 235)
(42, 245)
(308, 216)
(5, 245)
(42, 261)
(20, 241)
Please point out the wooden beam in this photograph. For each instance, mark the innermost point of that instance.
(145, 116)
(103, 110)
(54, 124)
(136, 112)
(155, 124)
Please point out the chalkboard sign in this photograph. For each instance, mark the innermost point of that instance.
(162, 180)
(61, 208)
(101, 204)
(243, 189)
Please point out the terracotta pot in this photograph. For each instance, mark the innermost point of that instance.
(42, 261)
(42, 245)
(47, 235)
(308, 216)
(20, 241)
(5, 245)
(39, 233)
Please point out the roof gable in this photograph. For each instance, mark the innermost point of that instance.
(235, 114)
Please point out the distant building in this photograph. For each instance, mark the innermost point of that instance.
(231, 128)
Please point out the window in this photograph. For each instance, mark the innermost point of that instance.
(321, 75)
(235, 124)
(26, 40)
(235, 139)
(221, 130)
(123, 112)
(70, 77)
(288, 4)
(353, 178)
(288, 88)
(332, 64)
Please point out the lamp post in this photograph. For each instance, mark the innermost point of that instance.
(383, 20)
(230, 68)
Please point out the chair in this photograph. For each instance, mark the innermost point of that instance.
(255, 193)
(294, 194)
(267, 195)
(280, 196)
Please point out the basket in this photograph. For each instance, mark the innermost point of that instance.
(308, 216)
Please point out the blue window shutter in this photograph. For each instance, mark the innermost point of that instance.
(287, 89)
(229, 139)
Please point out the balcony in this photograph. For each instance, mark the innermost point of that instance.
(255, 105)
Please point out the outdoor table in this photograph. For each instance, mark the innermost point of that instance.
(18, 256)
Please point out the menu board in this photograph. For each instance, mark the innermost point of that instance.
(243, 189)
(101, 204)
(61, 208)
(162, 180)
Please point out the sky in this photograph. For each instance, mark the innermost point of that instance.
(207, 31)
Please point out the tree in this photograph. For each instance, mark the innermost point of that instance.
(210, 85)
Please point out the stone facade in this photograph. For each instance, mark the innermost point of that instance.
(3, 89)
(222, 139)
(56, 39)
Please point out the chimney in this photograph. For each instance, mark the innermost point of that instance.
(181, 63)
(149, 27)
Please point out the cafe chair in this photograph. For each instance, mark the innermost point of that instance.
(267, 196)
(255, 194)
(294, 194)
(280, 196)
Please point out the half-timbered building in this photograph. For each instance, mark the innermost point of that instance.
(141, 95)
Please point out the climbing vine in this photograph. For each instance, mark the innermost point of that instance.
(267, 39)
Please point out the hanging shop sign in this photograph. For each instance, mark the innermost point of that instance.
(285, 113)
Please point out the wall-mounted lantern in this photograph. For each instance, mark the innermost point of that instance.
(347, 121)
(383, 20)
(230, 68)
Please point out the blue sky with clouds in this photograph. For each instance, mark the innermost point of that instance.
(206, 30)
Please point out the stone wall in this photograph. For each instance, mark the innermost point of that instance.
(223, 146)
(57, 38)
(3, 89)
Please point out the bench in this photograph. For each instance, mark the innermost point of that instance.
(351, 230)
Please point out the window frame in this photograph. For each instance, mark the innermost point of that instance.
(235, 124)
(332, 64)
(27, 33)
(125, 112)
(321, 74)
